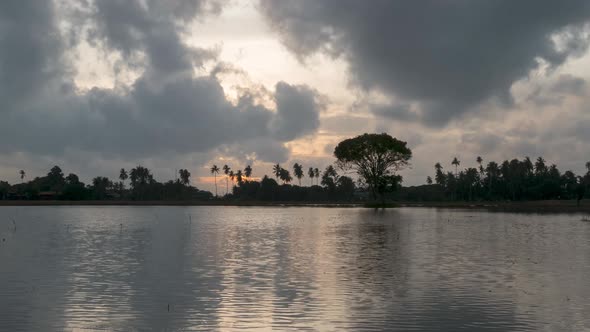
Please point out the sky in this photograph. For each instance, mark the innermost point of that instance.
(98, 85)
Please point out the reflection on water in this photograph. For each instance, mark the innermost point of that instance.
(219, 268)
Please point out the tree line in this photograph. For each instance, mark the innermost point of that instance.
(323, 186)
(511, 180)
(136, 184)
(374, 159)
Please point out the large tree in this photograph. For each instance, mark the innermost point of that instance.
(376, 158)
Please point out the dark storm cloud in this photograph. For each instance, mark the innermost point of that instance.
(446, 56)
(297, 111)
(167, 109)
(29, 56)
(403, 112)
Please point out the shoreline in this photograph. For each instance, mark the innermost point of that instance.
(566, 206)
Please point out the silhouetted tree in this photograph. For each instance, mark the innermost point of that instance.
(248, 171)
(285, 176)
(540, 167)
(439, 176)
(311, 175)
(376, 158)
(277, 170)
(100, 186)
(429, 180)
(456, 162)
(184, 176)
(226, 170)
(240, 176)
(330, 178)
(316, 173)
(22, 175)
(141, 178)
(298, 171)
(123, 176)
(232, 176)
(215, 171)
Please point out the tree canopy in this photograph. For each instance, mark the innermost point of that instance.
(376, 158)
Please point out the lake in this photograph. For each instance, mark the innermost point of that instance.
(317, 269)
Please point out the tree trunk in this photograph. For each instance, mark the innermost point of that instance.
(215, 175)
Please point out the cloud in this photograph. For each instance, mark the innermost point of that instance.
(568, 84)
(167, 109)
(445, 57)
(298, 109)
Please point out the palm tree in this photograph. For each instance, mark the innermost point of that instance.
(316, 173)
(123, 176)
(22, 175)
(226, 170)
(214, 171)
(276, 169)
(456, 162)
(285, 176)
(479, 160)
(298, 171)
(439, 175)
(248, 171)
(311, 175)
(540, 167)
(239, 176)
(184, 176)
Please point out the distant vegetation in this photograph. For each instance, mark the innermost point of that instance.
(366, 168)
(514, 180)
(141, 186)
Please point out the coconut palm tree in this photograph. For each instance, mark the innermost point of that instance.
(215, 171)
(298, 171)
(479, 160)
(456, 162)
(22, 175)
(184, 176)
(285, 176)
(240, 176)
(248, 171)
(226, 171)
(311, 175)
(316, 173)
(276, 169)
(123, 176)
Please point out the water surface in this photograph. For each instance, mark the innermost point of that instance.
(317, 269)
